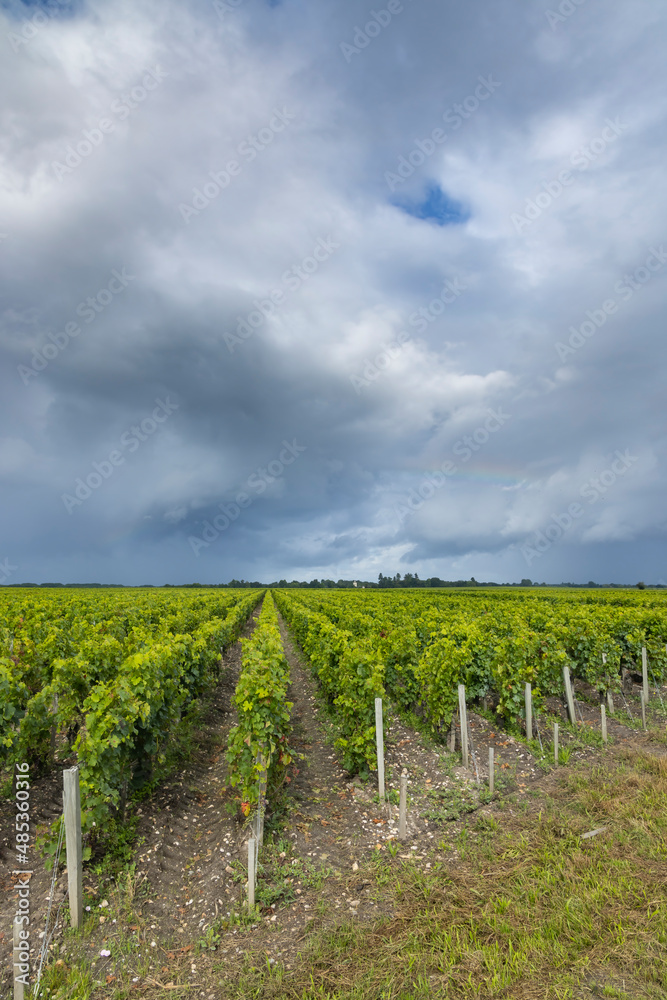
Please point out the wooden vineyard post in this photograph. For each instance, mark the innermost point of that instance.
(251, 872)
(464, 724)
(379, 739)
(642, 699)
(72, 811)
(529, 712)
(569, 697)
(555, 742)
(491, 771)
(603, 719)
(18, 985)
(610, 700)
(260, 797)
(645, 675)
(403, 807)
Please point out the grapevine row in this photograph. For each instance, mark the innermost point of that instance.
(416, 647)
(60, 646)
(257, 745)
(126, 718)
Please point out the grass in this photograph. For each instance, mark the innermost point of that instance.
(449, 804)
(526, 910)
(543, 914)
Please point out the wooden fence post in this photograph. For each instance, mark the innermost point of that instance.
(529, 712)
(379, 739)
(403, 808)
(645, 675)
(555, 742)
(610, 700)
(603, 719)
(464, 724)
(569, 697)
(491, 771)
(251, 872)
(72, 811)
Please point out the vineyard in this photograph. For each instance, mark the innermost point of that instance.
(415, 649)
(106, 679)
(111, 674)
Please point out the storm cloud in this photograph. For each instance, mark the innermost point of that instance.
(299, 290)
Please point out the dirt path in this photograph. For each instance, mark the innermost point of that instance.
(190, 840)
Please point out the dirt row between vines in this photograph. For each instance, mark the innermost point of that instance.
(188, 879)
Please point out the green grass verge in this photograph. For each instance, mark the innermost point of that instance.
(527, 909)
(526, 912)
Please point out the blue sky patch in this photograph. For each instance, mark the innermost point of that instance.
(435, 206)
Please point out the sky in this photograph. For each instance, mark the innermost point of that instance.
(326, 290)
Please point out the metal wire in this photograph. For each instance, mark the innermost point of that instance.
(261, 802)
(47, 937)
(538, 733)
(627, 706)
(657, 691)
(472, 750)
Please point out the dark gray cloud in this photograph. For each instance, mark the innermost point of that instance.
(366, 236)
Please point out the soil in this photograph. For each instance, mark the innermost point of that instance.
(191, 854)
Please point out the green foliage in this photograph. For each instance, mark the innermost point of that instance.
(125, 721)
(263, 712)
(423, 644)
(351, 674)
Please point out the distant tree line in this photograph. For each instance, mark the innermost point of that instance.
(409, 580)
